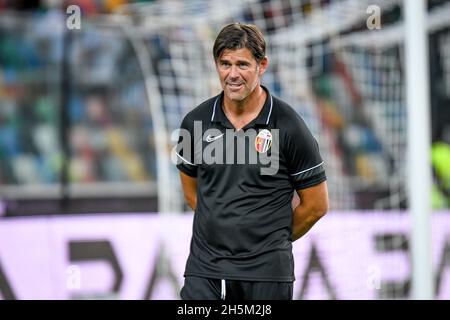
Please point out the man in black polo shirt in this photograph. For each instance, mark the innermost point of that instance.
(241, 155)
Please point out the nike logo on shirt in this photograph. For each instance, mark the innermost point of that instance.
(210, 138)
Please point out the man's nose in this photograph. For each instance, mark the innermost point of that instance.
(234, 72)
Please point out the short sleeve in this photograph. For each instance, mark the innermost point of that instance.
(185, 148)
(305, 164)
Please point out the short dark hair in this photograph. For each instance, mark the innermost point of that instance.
(237, 36)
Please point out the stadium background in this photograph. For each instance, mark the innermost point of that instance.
(90, 201)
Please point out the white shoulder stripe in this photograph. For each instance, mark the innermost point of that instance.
(307, 169)
(270, 112)
(214, 109)
(185, 159)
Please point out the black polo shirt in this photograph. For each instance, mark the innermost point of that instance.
(243, 221)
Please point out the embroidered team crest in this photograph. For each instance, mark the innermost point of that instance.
(263, 141)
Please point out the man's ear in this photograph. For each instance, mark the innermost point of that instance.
(263, 65)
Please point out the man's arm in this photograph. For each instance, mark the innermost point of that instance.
(313, 206)
(189, 185)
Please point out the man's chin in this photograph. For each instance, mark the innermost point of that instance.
(239, 99)
(235, 96)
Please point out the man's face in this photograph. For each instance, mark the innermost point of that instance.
(239, 73)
